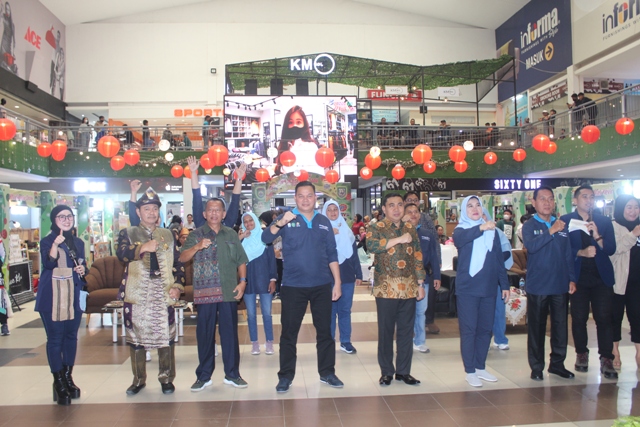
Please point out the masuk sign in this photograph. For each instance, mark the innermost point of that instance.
(323, 64)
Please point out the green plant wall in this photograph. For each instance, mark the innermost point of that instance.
(22, 158)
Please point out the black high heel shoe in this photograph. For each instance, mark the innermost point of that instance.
(60, 392)
(74, 391)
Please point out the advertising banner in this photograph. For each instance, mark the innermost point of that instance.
(539, 37)
(523, 110)
(605, 85)
(33, 42)
(610, 23)
(549, 95)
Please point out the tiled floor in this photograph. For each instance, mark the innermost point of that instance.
(443, 399)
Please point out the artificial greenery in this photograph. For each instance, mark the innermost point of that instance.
(627, 422)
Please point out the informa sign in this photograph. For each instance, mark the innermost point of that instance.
(539, 37)
(549, 95)
(33, 45)
(611, 23)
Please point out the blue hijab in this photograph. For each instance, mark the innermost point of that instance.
(253, 245)
(505, 245)
(482, 244)
(345, 237)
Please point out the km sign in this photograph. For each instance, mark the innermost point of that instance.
(323, 64)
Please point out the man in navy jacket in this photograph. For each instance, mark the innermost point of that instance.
(594, 273)
(550, 280)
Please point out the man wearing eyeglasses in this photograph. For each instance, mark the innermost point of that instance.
(218, 261)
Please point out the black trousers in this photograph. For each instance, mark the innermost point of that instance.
(395, 315)
(592, 291)
(630, 300)
(538, 308)
(431, 303)
(226, 314)
(294, 305)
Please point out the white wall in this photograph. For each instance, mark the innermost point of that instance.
(165, 57)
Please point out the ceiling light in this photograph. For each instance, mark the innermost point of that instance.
(45, 119)
(17, 106)
(512, 143)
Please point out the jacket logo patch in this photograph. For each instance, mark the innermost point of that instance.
(323, 227)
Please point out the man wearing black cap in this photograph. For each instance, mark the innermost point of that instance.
(152, 282)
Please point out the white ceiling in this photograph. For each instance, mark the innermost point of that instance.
(473, 13)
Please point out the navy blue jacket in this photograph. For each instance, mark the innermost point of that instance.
(549, 259)
(44, 298)
(492, 274)
(306, 252)
(350, 269)
(605, 229)
(260, 271)
(429, 246)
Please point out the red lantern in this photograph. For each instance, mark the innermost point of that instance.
(108, 146)
(398, 172)
(540, 142)
(430, 166)
(287, 158)
(58, 150)
(325, 157)
(131, 157)
(58, 157)
(218, 155)
(551, 148)
(461, 166)
(7, 130)
(117, 163)
(366, 173)
(457, 153)
(590, 134)
(624, 126)
(44, 149)
(177, 171)
(372, 163)
(187, 172)
(206, 162)
(490, 158)
(519, 155)
(422, 153)
(262, 175)
(304, 175)
(332, 176)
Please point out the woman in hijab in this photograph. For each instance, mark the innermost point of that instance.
(261, 280)
(350, 274)
(58, 299)
(480, 269)
(626, 267)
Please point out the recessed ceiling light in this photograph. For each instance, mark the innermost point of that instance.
(621, 175)
(618, 170)
(45, 119)
(17, 106)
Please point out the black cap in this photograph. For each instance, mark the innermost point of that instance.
(149, 197)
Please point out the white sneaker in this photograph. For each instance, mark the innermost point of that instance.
(502, 346)
(148, 358)
(216, 354)
(483, 374)
(473, 380)
(421, 348)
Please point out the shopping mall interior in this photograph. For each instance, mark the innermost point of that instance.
(445, 99)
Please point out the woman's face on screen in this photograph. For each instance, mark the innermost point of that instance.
(296, 120)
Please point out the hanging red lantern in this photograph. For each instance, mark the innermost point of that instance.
(366, 173)
(590, 134)
(325, 157)
(262, 175)
(58, 150)
(540, 142)
(131, 157)
(457, 153)
(490, 158)
(117, 163)
(177, 171)
(398, 172)
(430, 166)
(58, 157)
(108, 146)
(372, 163)
(332, 176)
(44, 149)
(7, 130)
(303, 175)
(519, 155)
(206, 162)
(551, 148)
(218, 155)
(287, 158)
(461, 166)
(422, 153)
(624, 126)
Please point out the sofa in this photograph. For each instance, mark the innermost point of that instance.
(103, 281)
(519, 262)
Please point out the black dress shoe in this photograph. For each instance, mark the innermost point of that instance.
(385, 380)
(168, 388)
(408, 379)
(537, 375)
(135, 389)
(561, 372)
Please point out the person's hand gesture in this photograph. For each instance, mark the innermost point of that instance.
(557, 226)
(150, 246)
(135, 186)
(193, 163)
(241, 171)
(405, 238)
(489, 225)
(59, 239)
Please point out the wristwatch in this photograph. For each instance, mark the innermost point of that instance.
(243, 279)
(279, 226)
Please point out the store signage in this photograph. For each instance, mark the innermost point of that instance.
(449, 92)
(516, 184)
(84, 186)
(19, 277)
(549, 95)
(197, 112)
(170, 187)
(396, 90)
(323, 64)
(413, 96)
(538, 36)
(33, 38)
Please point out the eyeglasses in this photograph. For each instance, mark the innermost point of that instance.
(65, 217)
